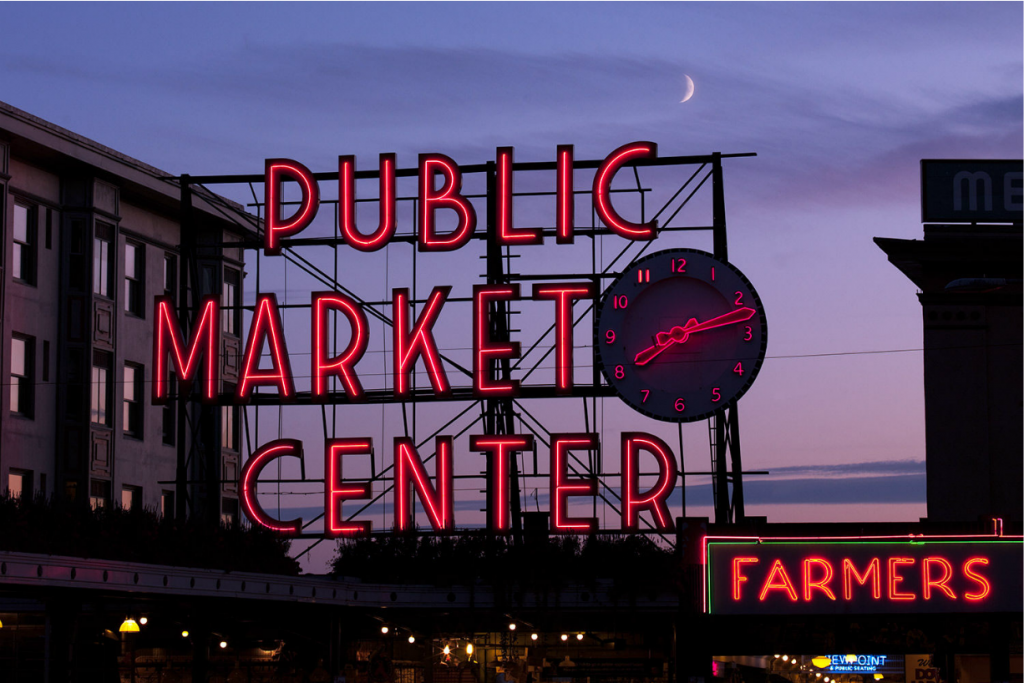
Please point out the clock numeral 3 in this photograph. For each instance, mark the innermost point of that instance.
(746, 337)
(716, 395)
(679, 405)
(620, 372)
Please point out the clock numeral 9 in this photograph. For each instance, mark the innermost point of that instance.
(739, 298)
(678, 265)
(679, 405)
(610, 336)
(620, 301)
(716, 395)
(746, 337)
(646, 393)
(620, 372)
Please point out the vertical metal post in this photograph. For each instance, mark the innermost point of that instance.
(727, 424)
(185, 238)
(499, 415)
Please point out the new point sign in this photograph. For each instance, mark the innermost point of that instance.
(439, 190)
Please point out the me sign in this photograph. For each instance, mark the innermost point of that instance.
(972, 191)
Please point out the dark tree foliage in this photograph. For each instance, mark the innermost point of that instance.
(62, 527)
(630, 563)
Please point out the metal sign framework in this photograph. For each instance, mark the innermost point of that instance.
(198, 477)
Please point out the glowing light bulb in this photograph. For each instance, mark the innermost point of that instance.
(512, 626)
(223, 644)
(579, 636)
(143, 620)
(785, 658)
(412, 639)
(447, 650)
(533, 636)
(565, 637)
(469, 648)
(184, 634)
(384, 630)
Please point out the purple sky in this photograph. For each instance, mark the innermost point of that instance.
(839, 101)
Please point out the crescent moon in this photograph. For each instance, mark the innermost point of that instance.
(688, 89)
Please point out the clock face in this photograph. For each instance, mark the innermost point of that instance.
(680, 335)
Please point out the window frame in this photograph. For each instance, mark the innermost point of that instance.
(132, 412)
(107, 366)
(231, 310)
(24, 385)
(24, 254)
(135, 282)
(102, 273)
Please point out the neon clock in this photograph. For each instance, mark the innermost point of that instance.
(680, 335)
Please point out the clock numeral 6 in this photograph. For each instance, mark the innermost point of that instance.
(620, 372)
(679, 406)
(620, 301)
(739, 298)
(610, 336)
(646, 393)
(738, 369)
(716, 395)
(746, 337)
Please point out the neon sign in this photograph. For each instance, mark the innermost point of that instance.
(335, 377)
(862, 575)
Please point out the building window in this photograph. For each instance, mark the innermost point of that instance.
(101, 272)
(170, 412)
(131, 498)
(229, 423)
(19, 483)
(167, 503)
(99, 494)
(101, 389)
(23, 375)
(231, 312)
(131, 417)
(134, 279)
(229, 512)
(171, 276)
(23, 266)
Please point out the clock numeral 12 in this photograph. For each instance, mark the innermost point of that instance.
(678, 265)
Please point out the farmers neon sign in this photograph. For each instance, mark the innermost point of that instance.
(866, 575)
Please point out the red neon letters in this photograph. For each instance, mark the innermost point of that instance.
(342, 365)
(277, 170)
(486, 353)
(565, 206)
(603, 186)
(437, 499)
(654, 500)
(205, 339)
(347, 204)
(266, 325)
(251, 474)
(562, 486)
(336, 491)
(507, 234)
(563, 295)
(448, 197)
(499, 449)
(409, 345)
(819, 578)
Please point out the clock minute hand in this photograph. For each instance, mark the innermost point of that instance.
(678, 335)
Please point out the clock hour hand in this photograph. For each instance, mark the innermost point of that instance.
(678, 335)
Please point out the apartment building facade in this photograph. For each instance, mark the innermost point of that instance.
(89, 237)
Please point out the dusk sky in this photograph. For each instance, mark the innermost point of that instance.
(840, 101)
